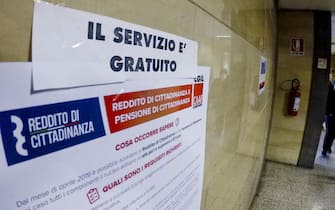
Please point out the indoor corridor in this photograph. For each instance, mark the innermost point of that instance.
(285, 186)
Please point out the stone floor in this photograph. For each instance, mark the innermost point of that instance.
(285, 187)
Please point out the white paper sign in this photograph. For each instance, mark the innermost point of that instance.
(71, 48)
(322, 63)
(262, 75)
(132, 145)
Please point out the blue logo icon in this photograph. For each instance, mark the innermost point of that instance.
(36, 131)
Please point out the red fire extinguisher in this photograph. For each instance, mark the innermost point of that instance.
(294, 98)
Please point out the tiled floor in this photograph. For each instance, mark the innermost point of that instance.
(285, 187)
(288, 187)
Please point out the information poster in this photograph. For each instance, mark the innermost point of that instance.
(68, 42)
(262, 75)
(131, 145)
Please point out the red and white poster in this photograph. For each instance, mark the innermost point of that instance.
(131, 145)
(262, 75)
(297, 47)
(109, 115)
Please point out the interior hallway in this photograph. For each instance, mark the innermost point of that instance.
(289, 187)
(327, 163)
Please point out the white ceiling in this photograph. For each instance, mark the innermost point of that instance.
(328, 5)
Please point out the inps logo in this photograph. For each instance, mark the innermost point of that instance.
(17, 133)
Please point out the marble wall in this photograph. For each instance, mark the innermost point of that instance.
(232, 36)
(287, 131)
